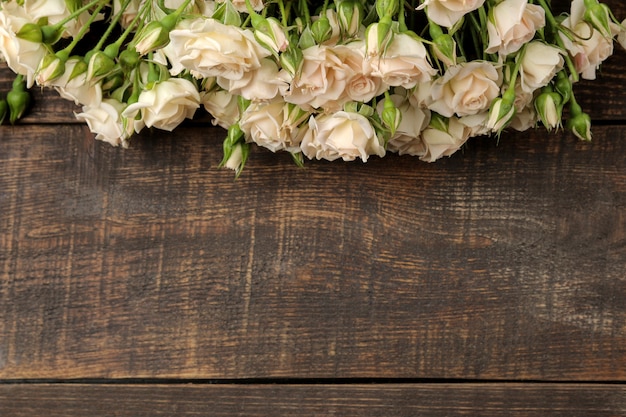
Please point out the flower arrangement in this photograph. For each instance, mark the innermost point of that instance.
(342, 79)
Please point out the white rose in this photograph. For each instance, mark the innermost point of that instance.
(539, 65)
(270, 125)
(525, 119)
(22, 56)
(476, 123)
(264, 83)
(106, 122)
(54, 11)
(592, 52)
(362, 86)
(465, 89)
(340, 135)
(404, 63)
(208, 48)
(448, 12)
(439, 143)
(222, 106)
(589, 48)
(407, 139)
(512, 24)
(78, 89)
(166, 104)
(322, 80)
(525, 115)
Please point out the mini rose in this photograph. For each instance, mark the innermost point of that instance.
(539, 65)
(589, 47)
(405, 63)
(363, 85)
(443, 139)
(269, 125)
(407, 139)
(465, 89)
(222, 106)
(208, 48)
(322, 80)
(21, 55)
(105, 121)
(73, 85)
(341, 135)
(262, 84)
(513, 23)
(448, 12)
(54, 11)
(166, 104)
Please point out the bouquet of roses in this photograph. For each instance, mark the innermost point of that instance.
(319, 79)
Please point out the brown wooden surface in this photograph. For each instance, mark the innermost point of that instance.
(152, 267)
(502, 262)
(280, 400)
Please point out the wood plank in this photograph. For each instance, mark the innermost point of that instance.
(493, 400)
(603, 99)
(501, 262)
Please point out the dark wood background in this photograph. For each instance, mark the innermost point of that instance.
(147, 282)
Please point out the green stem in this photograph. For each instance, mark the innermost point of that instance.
(112, 25)
(83, 30)
(77, 13)
(283, 12)
(483, 31)
(144, 9)
(304, 9)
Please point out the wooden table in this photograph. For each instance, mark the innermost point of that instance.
(147, 282)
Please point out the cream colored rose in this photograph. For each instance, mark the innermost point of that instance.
(322, 81)
(404, 63)
(512, 24)
(340, 135)
(465, 89)
(105, 121)
(525, 119)
(166, 104)
(208, 48)
(363, 85)
(407, 139)
(539, 65)
(54, 11)
(443, 140)
(22, 56)
(273, 125)
(589, 48)
(222, 106)
(78, 89)
(448, 12)
(262, 84)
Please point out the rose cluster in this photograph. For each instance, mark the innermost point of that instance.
(342, 79)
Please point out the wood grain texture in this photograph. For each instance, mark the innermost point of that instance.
(476, 400)
(502, 262)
